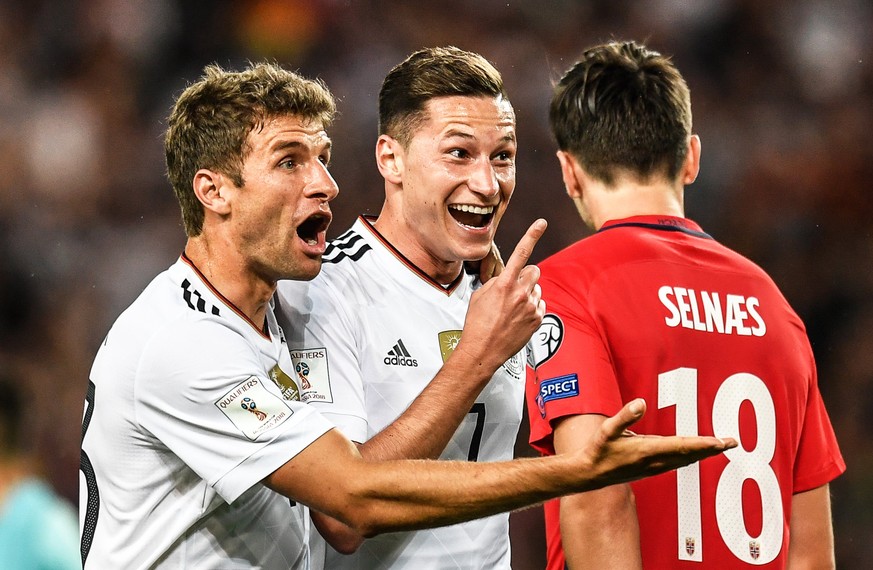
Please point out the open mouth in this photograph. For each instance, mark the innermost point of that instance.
(472, 216)
(311, 228)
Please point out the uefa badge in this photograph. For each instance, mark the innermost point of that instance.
(448, 342)
(546, 340)
(754, 549)
(689, 545)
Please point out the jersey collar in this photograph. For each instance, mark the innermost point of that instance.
(662, 223)
(367, 223)
(263, 331)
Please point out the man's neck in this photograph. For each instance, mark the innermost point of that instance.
(631, 200)
(228, 273)
(442, 272)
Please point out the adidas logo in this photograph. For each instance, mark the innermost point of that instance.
(399, 356)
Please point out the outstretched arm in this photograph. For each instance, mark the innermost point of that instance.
(375, 497)
(812, 533)
(501, 318)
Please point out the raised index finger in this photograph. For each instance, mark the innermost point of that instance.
(524, 248)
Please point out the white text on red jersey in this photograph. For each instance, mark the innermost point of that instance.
(712, 311)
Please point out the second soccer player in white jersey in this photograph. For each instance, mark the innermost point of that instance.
(369, 334)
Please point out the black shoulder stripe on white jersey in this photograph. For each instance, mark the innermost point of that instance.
(349, 245)
(345, 237)
(195, 301)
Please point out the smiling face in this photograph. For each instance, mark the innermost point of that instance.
(454, 181)
(281, 212)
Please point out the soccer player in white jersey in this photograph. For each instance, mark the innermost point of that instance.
(191, 445)
(369, 335)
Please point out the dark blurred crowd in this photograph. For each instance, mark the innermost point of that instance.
(782, 96)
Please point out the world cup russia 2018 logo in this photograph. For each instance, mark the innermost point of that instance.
(250, 405)
(302, 372)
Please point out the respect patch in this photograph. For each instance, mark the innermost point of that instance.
(558, 388)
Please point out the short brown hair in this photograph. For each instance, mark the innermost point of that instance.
(210, 122)
(426, 74)
(624, 107)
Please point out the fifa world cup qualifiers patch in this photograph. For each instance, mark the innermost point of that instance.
(546, 341)
(558, 388)
(253, 409)
(313, 378)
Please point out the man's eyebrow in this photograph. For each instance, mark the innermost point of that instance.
(509, 137)
(286, 145)
(296, 145)
(457, 133)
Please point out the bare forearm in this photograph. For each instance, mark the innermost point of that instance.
(812, 535)
(377, 497)
(599, 530)
(456, 492)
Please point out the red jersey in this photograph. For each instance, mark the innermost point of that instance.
(652, 307)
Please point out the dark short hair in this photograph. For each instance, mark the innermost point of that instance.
(427, 74)
(212, 118)
(623, 107)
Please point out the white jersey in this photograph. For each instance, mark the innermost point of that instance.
(366, 336)
(183, 419)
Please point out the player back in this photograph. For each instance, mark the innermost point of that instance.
(654, 308)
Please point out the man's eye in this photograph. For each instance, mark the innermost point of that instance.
(504, 156)
(459, 153)
(325, 160)
(288, 163)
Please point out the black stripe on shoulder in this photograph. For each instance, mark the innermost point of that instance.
(349, 245)
(195, 300)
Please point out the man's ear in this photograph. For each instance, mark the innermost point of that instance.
(210, 189)
(568, 173)
(389, 159)
(692, 161)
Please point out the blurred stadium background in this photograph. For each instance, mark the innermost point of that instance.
(783, 100)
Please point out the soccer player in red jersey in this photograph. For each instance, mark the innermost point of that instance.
(650, 306)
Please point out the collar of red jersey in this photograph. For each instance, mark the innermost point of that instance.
(656, 222)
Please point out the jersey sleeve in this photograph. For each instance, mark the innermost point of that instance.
(323, 339)
(203, 393)
(818, 459)
(570, 371)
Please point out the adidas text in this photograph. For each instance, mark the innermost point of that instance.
(400, 361)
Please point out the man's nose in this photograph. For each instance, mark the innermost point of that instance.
(483, 179)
